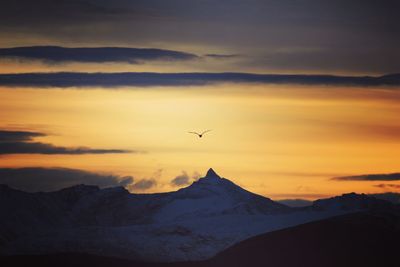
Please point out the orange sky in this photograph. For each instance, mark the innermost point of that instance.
(279, 141)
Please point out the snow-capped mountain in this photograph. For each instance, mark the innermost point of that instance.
(214, 196)
(192, 223)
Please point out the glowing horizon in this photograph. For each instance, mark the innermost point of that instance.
(278, 141)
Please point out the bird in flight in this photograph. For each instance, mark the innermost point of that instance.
(200, 134)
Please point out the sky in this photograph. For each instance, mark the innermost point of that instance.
(302, 97)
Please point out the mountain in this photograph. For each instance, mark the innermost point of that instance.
(213, 195)
(295, 203)
(388, 196)
(193, 223)
(351, 202)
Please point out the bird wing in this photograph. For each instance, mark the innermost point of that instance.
(194, 133)
(205, 132)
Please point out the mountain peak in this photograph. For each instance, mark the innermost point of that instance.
(212, 174)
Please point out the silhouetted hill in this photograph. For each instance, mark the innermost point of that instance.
(360, 239)
(295, 203)
(388, 196)
(352, 201)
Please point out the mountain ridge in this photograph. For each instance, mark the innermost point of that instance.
(192, 223)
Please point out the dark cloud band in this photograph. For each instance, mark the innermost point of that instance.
(289, 36)
(43, 148)
(147, 79)
(57, 54)
(222, 56)
(370, 177)
(18, 136)
(384, 186)
(19, 142)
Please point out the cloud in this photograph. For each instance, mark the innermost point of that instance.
(184, 179)
(57, 54)
(384, 186)
(143, 184)
(34, 179)
(146, 183)
(45, 14)
(43, 148)
(148, 79)
(260, 29)
(18, 136)
(126, 181)
(181, 180)
(370, 177)
(20, 142)
(335, 28)
(222, 56)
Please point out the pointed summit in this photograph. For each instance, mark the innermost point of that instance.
(212, 174)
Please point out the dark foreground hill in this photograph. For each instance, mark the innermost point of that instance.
(361, 239)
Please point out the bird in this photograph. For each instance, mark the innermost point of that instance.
(200, 134)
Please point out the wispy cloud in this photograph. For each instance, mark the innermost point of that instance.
(18, 136)
(222, 56)
(143, 185)
(21, 142)
(57, 54)
(184, 179)
(34, 179)
(148, 79)
(370, 177)
(385, 186)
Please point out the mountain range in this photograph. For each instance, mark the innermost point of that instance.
(192, 224)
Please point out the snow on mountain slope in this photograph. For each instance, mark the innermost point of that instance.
(214, 196)
(192, 223)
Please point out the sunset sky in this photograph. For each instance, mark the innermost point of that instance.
(283, 136)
